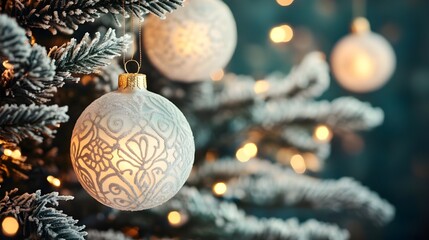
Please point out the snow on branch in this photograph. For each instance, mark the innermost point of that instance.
(106, 235)
(343, 113)
(302, 139)
(37, 219)
(18, 122)
(14, 45)
(263, 183)
(66, 16)
(87, 55)
(307, 80)
(223, 220)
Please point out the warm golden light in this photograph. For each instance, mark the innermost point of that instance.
(281, 34)
(16, 154)
(54, 181)
(10, 226)
(174, 218)
(261, 86)
(245, 153)
(362, 66)
(298, 164)
(284, 3)
(322, 134)
(218, 75)
(7, 152)
(219, 188)
(312, 162)
(7, 65)
(284, 155)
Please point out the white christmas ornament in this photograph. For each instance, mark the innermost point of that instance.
(193, 42)
(132, 149)
(363, 61)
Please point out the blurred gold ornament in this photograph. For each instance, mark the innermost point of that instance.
(363, 61)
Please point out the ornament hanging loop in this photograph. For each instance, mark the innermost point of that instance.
(134, 61)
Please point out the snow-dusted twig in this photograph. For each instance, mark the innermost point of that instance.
(106, 235)
(41, 221)
(223, 220)
(66, 16)
(14, 44)
(309, 79)
(33, 122)
(87, 55)
(301, 138)
(342, 113)
(263, 183)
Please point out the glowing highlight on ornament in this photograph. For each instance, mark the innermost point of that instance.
(298, 164)
(10, 226)
(174, 218)
(281, 34)
(54, 181)
(218, 75)
(16, 154)
(219, 188)
(284, 3)
(362, 65)
(261, 86)
(322, 134)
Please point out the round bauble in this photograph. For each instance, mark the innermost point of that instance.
(363, 61)
(132, 149)
(193, 42)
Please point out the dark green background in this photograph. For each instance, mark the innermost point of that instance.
(395, 158)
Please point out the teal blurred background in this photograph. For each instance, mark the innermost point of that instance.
(394, 158)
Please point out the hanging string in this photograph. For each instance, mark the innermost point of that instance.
(359, 7)
(139, 62)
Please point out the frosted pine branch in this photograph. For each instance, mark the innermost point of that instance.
(223, 220)
(39, 220)
(33, 122)
(66, 16)
(87, 55)
(14, 44)
(32, 80)
(301, 138)
(264, 183)
(344, 113)
(309, 79)
(106, 235)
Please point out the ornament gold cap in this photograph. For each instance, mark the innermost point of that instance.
(360, 25)
(132, 81)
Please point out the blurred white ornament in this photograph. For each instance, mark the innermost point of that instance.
(132, 149)
(193, 42)
(363, 61)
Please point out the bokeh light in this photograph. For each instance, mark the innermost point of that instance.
(284, 3)
(10, 226)
(298, 164)
(261, 86)
(218, 75)
(247, 152)
(219, 188)
(281, 34)
(174, 218)
(322, 134)
(54, 181)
